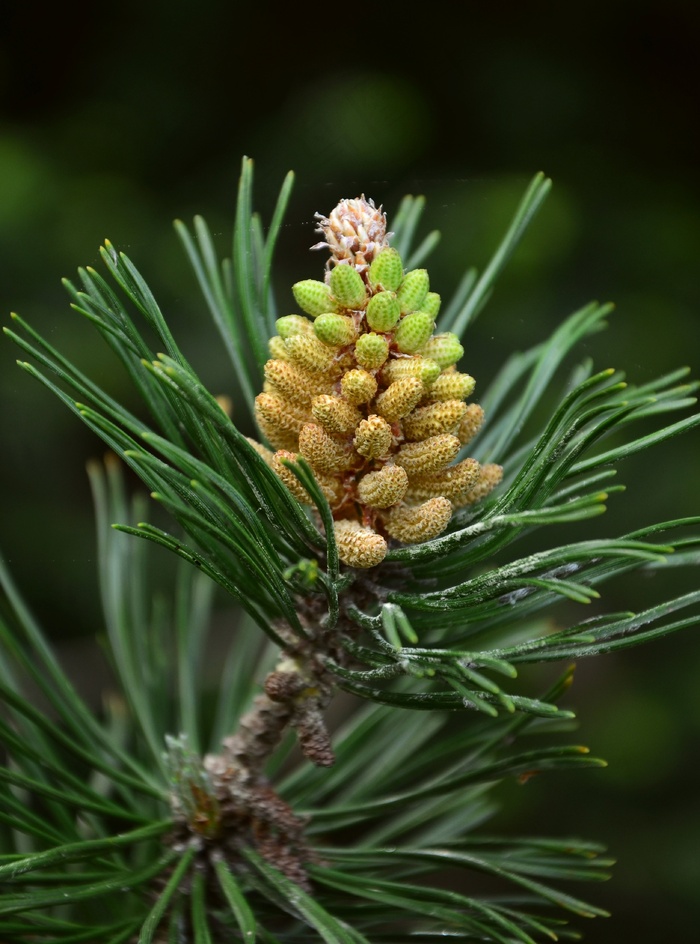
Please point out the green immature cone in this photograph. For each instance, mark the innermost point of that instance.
(421, 367)
(314, 297)
(413, 332)
(336, 330)
(413, 290)
(293, 324)
(371, 351)
(347, 287)
(386, 270)
(383, 311)
(444, 348)
(431, 303)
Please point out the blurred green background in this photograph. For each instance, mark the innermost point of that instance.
(116, 119)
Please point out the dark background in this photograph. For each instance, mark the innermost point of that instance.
(115, 119)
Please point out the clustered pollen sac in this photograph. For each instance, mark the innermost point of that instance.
(362, 388)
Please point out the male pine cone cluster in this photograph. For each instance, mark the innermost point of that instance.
(364, 390)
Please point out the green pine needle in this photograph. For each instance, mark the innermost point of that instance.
(184, 812)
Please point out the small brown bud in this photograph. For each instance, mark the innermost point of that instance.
(283, 686)
(312, 733)
(226, 404)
